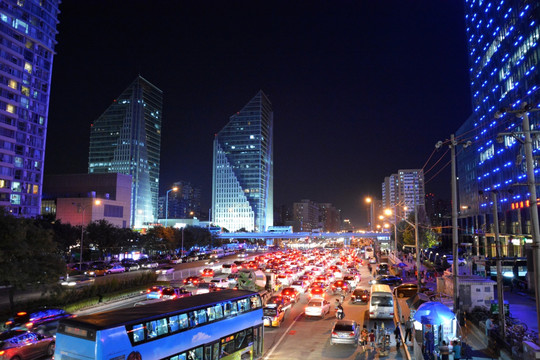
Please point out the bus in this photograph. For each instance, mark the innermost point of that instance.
(381, 302)
(225, 324)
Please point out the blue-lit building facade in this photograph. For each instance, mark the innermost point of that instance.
(27, 42)
(126, 139)
(243, 169)
(504, 59)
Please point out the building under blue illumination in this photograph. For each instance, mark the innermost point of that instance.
(126, 139)
(243, 169)
(27, 33)
(504, 59)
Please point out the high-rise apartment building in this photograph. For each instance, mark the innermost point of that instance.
(404, 190)
(28, 32)
(504, 59)
(126, 139)
(243, 169)
(306, 215)
(184, 203)
(330, 217)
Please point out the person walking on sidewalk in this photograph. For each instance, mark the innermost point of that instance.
(457, 350)
(444, 350)
(397, 335)
(409, 326)
(372, 339)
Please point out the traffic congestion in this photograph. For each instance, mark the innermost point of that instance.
(326, 297)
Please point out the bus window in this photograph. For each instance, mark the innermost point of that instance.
(179, 357)
(138, 333)
(214, 312)
(196, 354)
(243, 305)
(173, 324)
(230, 308)
(201, 316)
(255, 302)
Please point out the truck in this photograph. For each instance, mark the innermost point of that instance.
(255, 280)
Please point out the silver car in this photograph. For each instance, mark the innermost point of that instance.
(345, 332)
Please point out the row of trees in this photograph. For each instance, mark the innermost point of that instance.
(426, 236)
(35, 251)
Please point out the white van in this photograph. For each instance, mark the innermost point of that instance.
(368, 252)
(381, 302)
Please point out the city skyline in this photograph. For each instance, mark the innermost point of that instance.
(352, 84)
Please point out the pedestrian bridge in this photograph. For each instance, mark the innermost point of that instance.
(304, 235)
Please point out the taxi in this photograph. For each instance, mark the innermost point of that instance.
(273, 315)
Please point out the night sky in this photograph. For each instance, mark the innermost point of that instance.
(359, 89)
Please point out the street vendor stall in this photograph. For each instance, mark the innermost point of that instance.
(438, 323)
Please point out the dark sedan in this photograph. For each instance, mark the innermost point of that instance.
(408, 290)
(387, 280)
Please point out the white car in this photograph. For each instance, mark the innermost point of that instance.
(317, 307)
(114, 269)
(300, 286)
(220, 283)
(165, 270)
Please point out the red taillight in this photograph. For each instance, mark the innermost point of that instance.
(334, 333)
(21, 313)
(147, 291)
(2, 352)
(351, 334)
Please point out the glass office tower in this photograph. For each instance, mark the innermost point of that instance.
(28, 31)
(504, 59)
(243, 169)
(126, 139)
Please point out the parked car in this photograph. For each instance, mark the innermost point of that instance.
(317, 307)
(166, 270)
(148, 263)
(345, 332)
(408, 290)
(273, 315)
(27, 345)
(130, 265)
(387, 280)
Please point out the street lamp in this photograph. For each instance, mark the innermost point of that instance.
(369, 201)
(527, 142)
(175, 188)
(82, 209)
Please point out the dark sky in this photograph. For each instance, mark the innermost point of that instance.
(359, 89)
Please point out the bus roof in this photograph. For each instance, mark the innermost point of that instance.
(131, 315)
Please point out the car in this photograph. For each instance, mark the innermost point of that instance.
(147, 263)
(345, 332)
(130, 265)
(292, 293)
(284, 279)
(317, 307)
(316, 292)
(300, 286)
(166, 270)
(351, 280)
(207, 272)
(202, 288)
(31, 320)
(192, 280)
(174, 293)
(176, 260)
(284, 301)
(77, 280)
(232, 279)
(360, 295)
(100, 271)
(229, 269)
(387, 280)
(273, 315)
(408, 290)
(340, 287)
(220, 283)
(27, 345)
(154, 292)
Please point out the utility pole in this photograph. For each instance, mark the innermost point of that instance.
(455, 254)
(500, 289)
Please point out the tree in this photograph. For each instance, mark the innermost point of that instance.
(28, 255)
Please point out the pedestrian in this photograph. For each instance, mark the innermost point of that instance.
(397, 335)
(489, 326)
(457, 350)
(372, 339)
(409, 326)
(376, 330)
(364, 336)
(444, 350)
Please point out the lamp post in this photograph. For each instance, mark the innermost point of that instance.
(369, 201)
(533, 207)
(82, 209)
(389, 212)
(175, 188)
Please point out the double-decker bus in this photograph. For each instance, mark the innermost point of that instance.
(225, 324)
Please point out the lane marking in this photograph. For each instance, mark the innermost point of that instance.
(282, 337)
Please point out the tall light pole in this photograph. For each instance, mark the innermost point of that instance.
(369, 201)
(455, 234)
(388, 212)
(500, 290)
(175, 188)
(82, 208)
(533, 207)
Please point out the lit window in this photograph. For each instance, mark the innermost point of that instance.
(13, 84)
(10, 108)
(15, 199)
(28, 67)
(25, 90)
(35, 189)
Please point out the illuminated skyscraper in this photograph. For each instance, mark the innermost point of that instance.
(27, 31)
(126, 139)
(243, 170)
(504, 59)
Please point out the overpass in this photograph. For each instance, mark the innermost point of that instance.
(302, 235)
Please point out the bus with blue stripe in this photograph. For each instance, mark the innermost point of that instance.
(224, 324)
